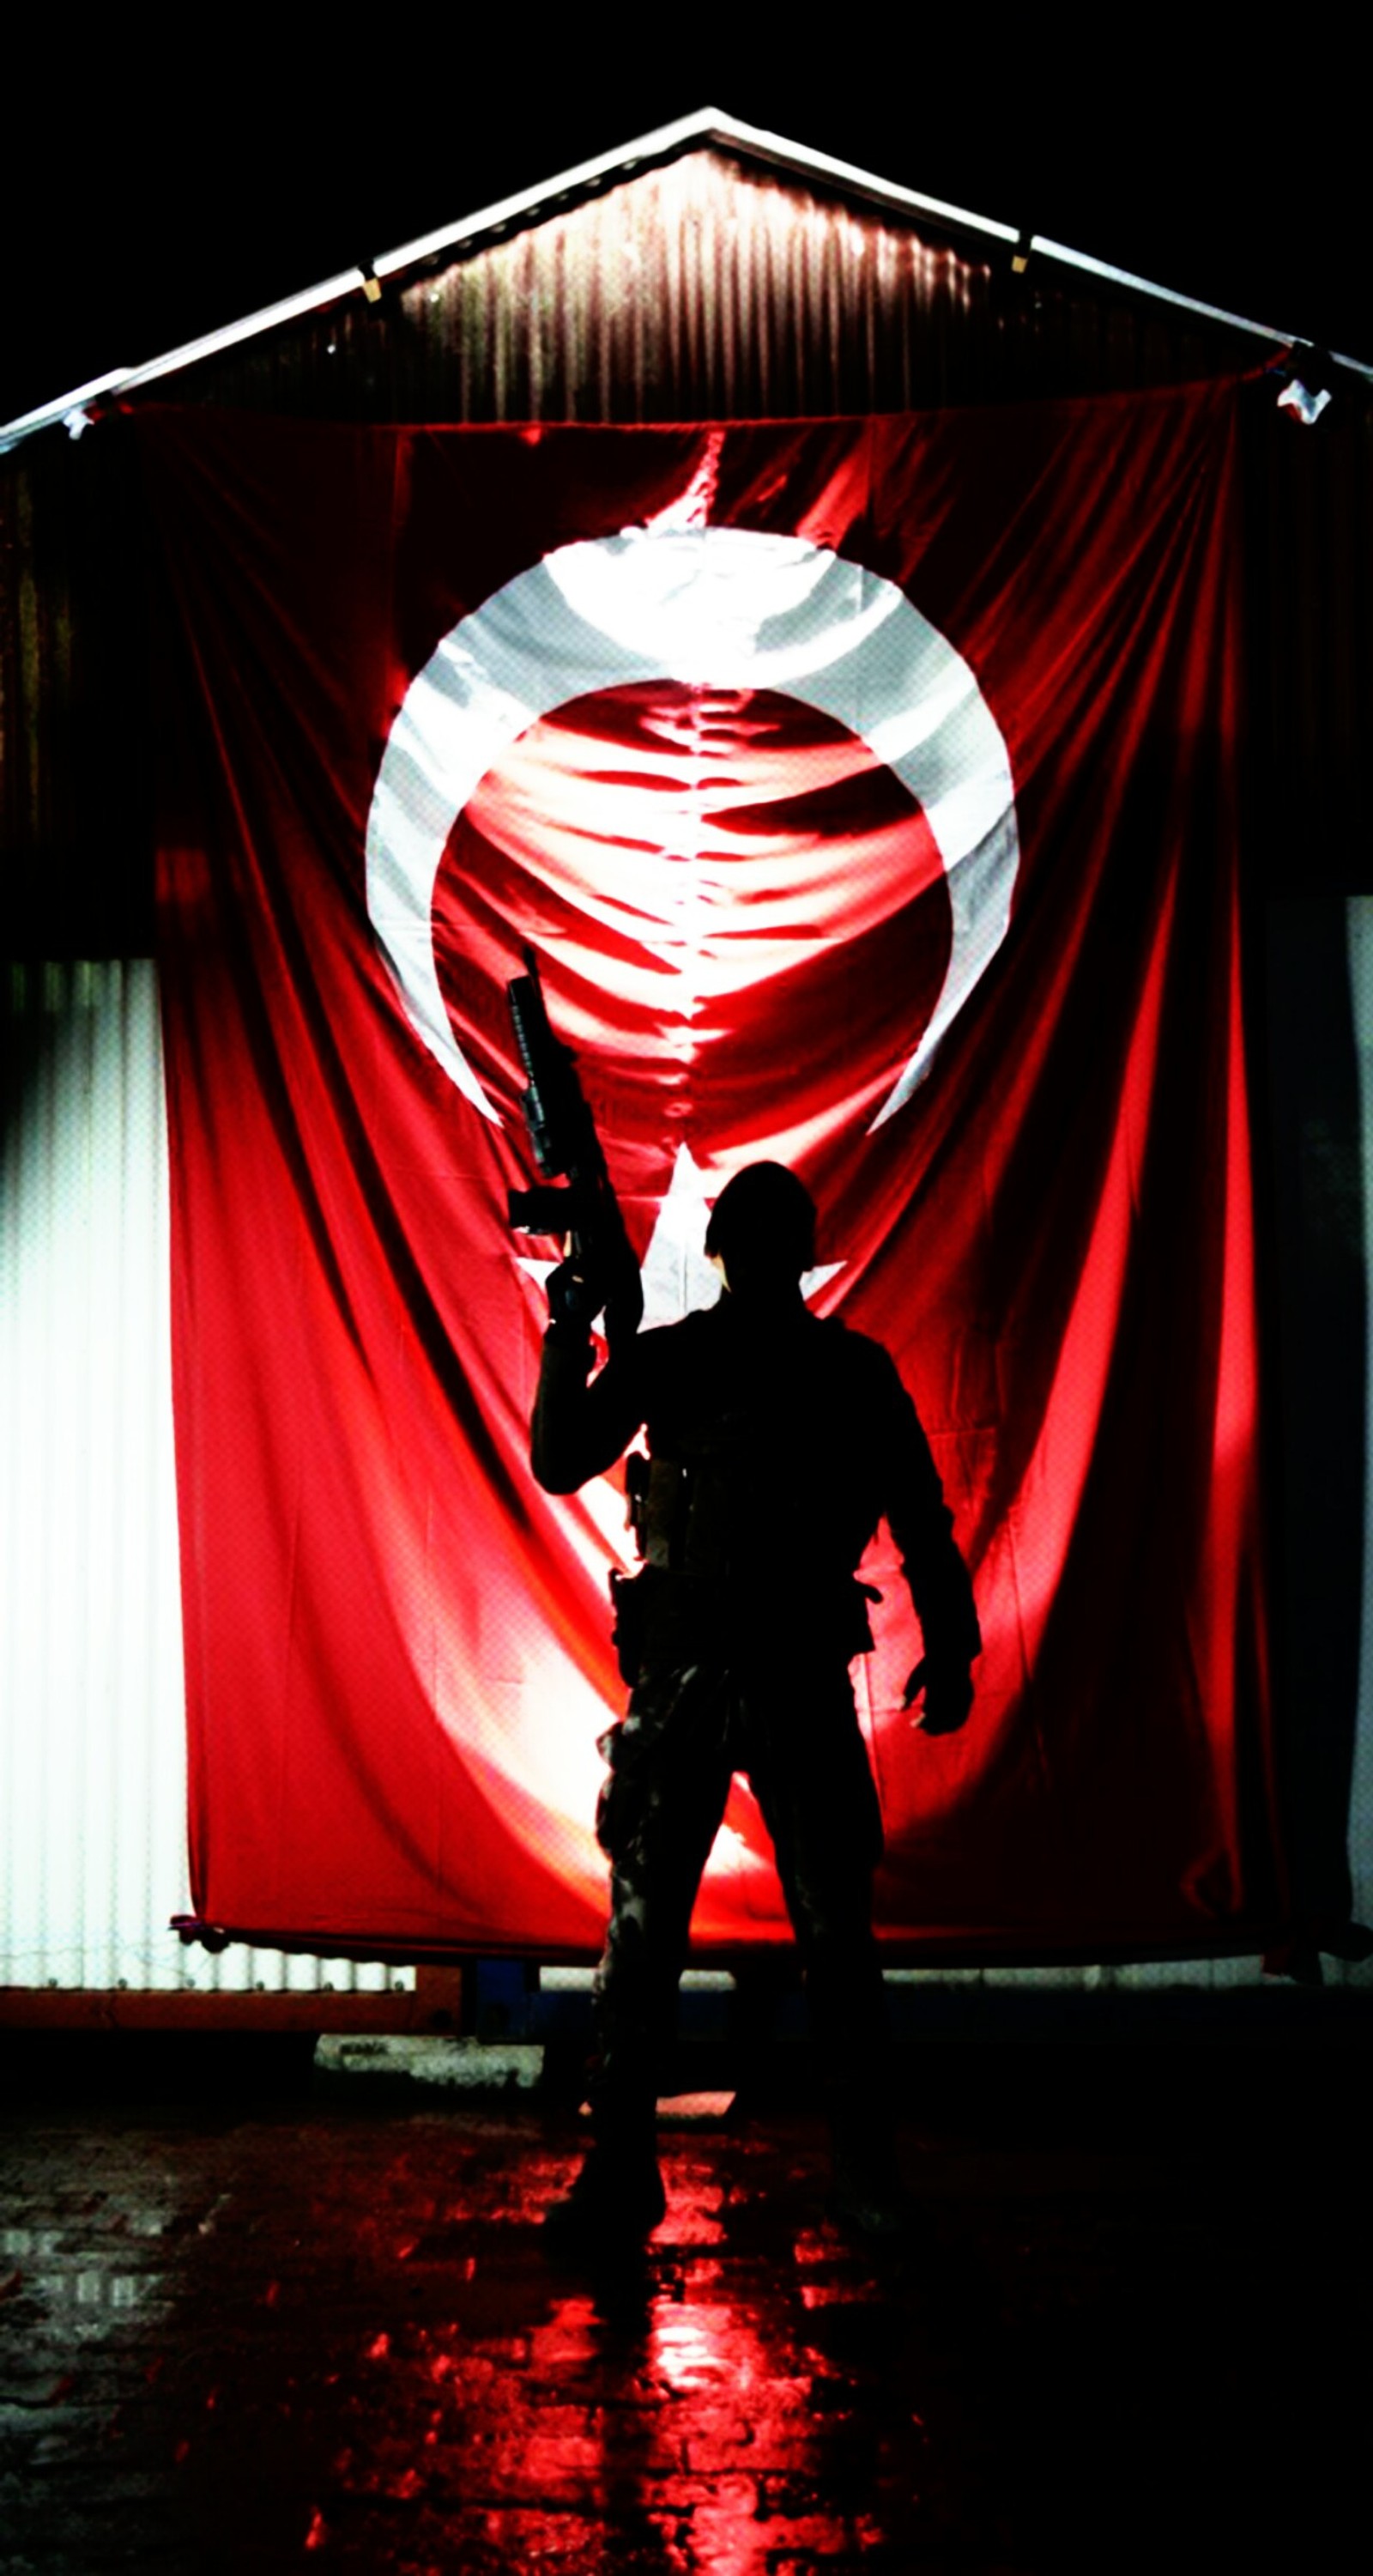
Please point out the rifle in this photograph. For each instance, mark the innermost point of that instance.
(584, 1211)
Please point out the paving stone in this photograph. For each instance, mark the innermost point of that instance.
(281, 2334)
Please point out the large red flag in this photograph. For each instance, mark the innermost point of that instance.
(867, 791)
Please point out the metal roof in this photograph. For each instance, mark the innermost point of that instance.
(706, 126)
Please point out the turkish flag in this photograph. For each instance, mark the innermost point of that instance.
(867, 792)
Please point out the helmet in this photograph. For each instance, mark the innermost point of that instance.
(763, 1226)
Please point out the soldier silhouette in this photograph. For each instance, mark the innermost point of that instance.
(776, 1443)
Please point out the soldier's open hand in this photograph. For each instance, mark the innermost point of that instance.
(948, 1695)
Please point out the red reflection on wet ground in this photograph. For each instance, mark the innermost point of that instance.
(428, 2391)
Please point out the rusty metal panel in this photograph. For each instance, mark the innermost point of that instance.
(75, 740)
(1359, 921)
(1309, 622)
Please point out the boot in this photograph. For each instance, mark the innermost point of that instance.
(867, 2195)
(614, 2203)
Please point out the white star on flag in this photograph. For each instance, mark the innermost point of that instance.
(677, 1276)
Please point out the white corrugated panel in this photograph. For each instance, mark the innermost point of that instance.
(92, 1729)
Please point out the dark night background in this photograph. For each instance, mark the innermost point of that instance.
(166, 176)
(1128, 2332)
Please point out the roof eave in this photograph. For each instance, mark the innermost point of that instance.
(706, 127)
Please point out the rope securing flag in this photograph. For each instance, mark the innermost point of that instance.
(867, 792)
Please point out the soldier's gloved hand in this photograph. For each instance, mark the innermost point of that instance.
(948, 1689)
(574, 1301)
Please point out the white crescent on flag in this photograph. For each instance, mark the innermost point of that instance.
(731, 608)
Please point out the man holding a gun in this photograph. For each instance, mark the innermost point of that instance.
(776, 1442)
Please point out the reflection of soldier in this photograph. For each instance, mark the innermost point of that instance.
(776, 1443)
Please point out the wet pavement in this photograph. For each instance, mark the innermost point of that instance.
(254, 2325)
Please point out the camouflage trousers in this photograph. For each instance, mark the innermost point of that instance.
(787, 1722)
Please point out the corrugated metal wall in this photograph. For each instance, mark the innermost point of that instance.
(1360, 932)
(693, 291)
(90, 1631)
(92, 1737)
(700, 289)
(708, 290)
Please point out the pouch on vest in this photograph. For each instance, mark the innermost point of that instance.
(627, 1608)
